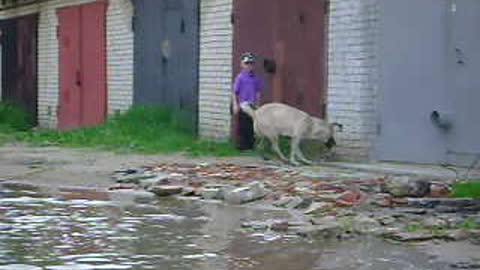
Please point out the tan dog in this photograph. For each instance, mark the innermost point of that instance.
(275, 119)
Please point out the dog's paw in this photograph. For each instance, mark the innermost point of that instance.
(307, 162)
(295, 163)
(265, 157)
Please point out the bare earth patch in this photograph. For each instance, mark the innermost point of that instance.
(58, 166)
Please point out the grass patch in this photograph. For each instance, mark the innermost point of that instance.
(468, 224)
(147, 130)
(267, 151)
(413, 227)
(13, 118)
(467, 189)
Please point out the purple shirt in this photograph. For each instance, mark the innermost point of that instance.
(246, 86)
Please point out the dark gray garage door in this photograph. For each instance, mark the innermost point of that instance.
(166, 54)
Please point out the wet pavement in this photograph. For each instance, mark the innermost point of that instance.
(63, 226)
(43, 229)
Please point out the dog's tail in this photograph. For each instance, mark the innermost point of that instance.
(248, 109)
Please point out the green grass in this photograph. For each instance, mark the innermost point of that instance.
(468, 224)
(467, 189)
(146, 130)
(413, 227)
(13, 118)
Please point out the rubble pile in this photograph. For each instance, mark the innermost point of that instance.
(401, 208)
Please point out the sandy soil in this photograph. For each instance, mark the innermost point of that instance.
(57, 166)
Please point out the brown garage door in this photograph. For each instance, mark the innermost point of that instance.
(289, 38)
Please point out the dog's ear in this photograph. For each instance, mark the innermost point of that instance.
(330, 143)
(340, 126)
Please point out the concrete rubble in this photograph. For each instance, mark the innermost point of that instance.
(399, 208)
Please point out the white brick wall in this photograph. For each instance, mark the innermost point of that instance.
(353, 74)
(215, 71)
(119, 55)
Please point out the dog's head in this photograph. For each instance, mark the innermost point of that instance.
(330, 143)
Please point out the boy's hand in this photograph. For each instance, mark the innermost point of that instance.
(236, 109)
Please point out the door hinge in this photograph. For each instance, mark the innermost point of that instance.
(326, 7)
(232, 18)
(378, 129)
(58, 32)
(182, 26)
(134, 23)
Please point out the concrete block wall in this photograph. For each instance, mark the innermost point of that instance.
(120, 46)
(119, 55)
(215, 70)
(353, 74)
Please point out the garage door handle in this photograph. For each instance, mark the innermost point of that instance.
(78, 79)
(460, 56)
(269, 66)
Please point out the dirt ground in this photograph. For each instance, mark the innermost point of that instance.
(55, 166)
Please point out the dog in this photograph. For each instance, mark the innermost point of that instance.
(275, 119)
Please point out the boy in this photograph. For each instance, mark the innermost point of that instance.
(246, 92)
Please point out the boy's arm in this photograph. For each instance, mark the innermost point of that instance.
(236, 90)
(235, 103)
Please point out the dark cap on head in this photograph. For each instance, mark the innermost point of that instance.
(248, 57)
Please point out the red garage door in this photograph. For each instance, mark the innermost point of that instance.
(83, 90)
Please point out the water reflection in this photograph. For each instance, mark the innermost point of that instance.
(89, 231)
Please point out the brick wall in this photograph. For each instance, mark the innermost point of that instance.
(353, 74)
(120, 43)
(215, 71)
(119, 55)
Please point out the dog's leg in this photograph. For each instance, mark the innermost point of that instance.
(276, 148)
(304, 128)
(260, 144)
(261, 147)
(298, 151)
(294, 148)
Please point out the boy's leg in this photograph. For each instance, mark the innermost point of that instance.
(247, 138)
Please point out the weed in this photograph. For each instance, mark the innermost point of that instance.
(412, 227)
(346, 223)
(469, 189)
(468, 224)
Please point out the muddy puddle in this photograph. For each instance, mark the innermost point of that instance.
(92, 230)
